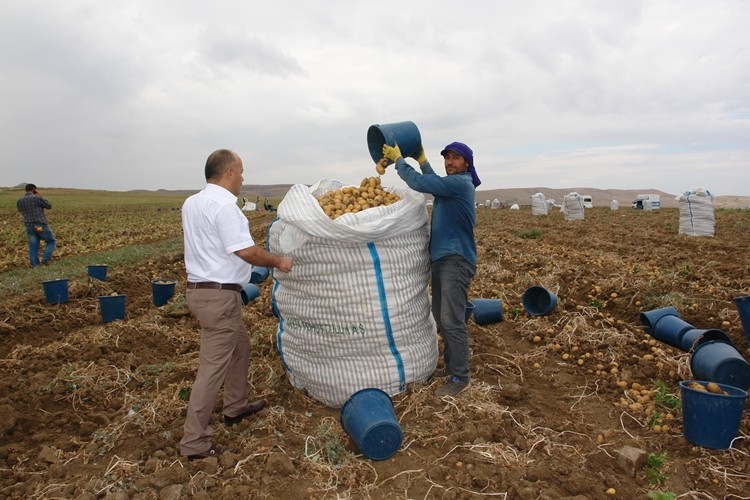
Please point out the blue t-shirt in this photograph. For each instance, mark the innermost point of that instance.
(453, 212)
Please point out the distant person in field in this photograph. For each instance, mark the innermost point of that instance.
(453, 251)
(32, 207)
(219, 252)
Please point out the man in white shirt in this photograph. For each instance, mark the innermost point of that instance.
(219, 254)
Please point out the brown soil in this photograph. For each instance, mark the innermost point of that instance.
(92, 410)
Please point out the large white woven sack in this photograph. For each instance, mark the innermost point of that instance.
(572, 206)
(696, 213)
(354, 312)
(538, 204)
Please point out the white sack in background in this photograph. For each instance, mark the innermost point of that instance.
(572, 206)
(538, 204)
(354, 312)
(696, 213)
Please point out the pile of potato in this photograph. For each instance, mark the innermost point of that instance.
(709, 387)
(350, 199)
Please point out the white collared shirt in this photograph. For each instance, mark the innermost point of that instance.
(214, 228)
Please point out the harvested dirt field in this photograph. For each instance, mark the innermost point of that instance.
(91, 410)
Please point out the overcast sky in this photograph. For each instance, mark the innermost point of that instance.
(135, 94)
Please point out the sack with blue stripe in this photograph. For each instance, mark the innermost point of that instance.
(354, 312)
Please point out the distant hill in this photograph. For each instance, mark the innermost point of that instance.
(522, 196)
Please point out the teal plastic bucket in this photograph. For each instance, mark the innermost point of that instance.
(699, 335)
(161, 291)
(649, 318)
(743, 308)
(405, 134)
(711, 420)
(670, 329)
(98, 271)
(258, 274)
(370, 420)
(720, 362)
(56, 291)
(249, 293)
(538, 301)
(487, 311)
(112, 307)
(469, 309)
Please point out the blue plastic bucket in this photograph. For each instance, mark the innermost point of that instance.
(720, 362)
(538, 301)
(708, 419)
(690, 337)
(469, 309)
(649, 318)
(670, 329)
(258, 274)
(487, 311)
(370, 420)
(249, 293)
(743, 308)
(98, 271)
(112, 307)
(56, 291)
(161, 291)
(405, 134)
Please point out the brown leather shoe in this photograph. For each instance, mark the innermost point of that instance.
(213, 451)
(252, 409)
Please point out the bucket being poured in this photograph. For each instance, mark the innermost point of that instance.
(161, 291)
(98, 271)
(405, 134)
(720, 362)
(112, 307)
(487, 311)
(369, 419)
(711, 420)
(538, 301)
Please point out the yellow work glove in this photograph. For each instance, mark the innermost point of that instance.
(421, 158)
(392, 153)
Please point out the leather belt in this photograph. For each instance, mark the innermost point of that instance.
(214, 286)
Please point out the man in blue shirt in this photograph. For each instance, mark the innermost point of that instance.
(453, 251)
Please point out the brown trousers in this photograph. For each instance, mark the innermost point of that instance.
(224, 360)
